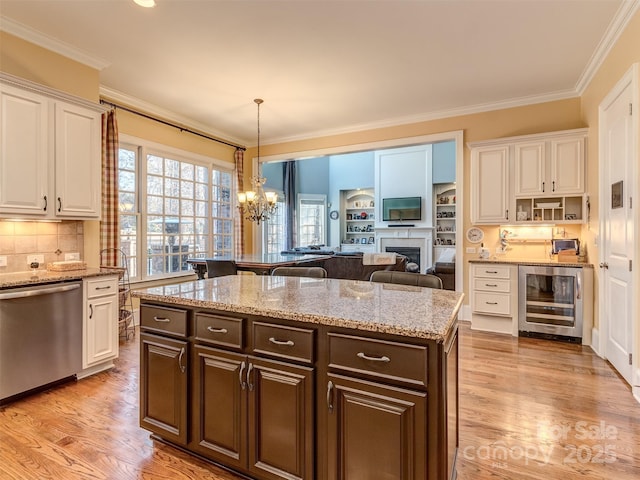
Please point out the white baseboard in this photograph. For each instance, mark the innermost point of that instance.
(595, 341)
(465, 313)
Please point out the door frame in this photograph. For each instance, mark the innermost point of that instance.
(629, 78)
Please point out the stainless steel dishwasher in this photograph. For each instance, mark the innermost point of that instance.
(40, 336)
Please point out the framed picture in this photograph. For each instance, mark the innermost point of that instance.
(349, 216)
(363, 240)
(616, 195)
(371, 240)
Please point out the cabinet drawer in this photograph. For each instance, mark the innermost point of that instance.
(162, 319)
(492, 271)
(218, 330)
(284, 342)
(491, 285)
(492, 303)
(396, 361)
(102, 287)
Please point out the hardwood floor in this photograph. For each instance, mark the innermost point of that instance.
(529, 409)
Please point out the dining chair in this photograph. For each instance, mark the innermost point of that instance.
(406, 278)
(313, 272)
(219, 268)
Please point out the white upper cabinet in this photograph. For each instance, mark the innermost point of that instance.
(50, 164)
(530, 169)
(24, 154)
(546, 172)
(490, 184)
(77, 160)
(551, 165)
(568, 165)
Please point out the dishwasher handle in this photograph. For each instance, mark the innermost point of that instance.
(38, 291)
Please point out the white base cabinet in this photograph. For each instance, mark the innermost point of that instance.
(50, 160)
(494, 297)
(100, 324)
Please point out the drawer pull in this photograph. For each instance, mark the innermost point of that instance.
(384, 358)
(217, 330)
(490, 285)
(287, 343)
(491, 303)
(104, 288)
(491, 271)
(162, 319)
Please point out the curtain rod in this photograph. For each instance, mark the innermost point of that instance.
(164, 122)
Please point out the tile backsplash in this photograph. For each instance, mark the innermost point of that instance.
(51, 239)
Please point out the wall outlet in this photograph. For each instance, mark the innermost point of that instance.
(3, 261)
(471, 250)
(72, 256)
(35, 258)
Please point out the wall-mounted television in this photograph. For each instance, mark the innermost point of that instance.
(405, 208)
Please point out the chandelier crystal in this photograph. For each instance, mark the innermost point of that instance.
(257, 205)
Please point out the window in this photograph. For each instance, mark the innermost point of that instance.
(183, 203)
(128, 204)
(312, 214)
(274, 235)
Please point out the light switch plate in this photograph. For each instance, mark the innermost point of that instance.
(471, 250)
(35, 258)
(3, 261)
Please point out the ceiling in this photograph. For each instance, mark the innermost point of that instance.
(324, 67)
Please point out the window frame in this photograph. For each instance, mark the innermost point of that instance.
(144, 148)
(318, 199)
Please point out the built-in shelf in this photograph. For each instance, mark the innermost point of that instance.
(567, 209)
(358, 232)
(445, 215)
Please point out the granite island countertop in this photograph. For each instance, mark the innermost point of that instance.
(532, 262)
(23, 279)
(379, 307)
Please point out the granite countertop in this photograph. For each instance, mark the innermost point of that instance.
(378, 307)
(527, 261)
(21, 279)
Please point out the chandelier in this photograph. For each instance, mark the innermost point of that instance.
(257, 205)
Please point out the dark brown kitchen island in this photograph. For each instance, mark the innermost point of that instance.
(300, 378)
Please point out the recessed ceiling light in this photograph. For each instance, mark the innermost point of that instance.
(146, 3)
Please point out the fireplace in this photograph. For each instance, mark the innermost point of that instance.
(415, 243)
(412, 253)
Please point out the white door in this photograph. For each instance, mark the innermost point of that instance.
(617, 187)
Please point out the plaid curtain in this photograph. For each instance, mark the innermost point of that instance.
(238, 227)
(109, 228)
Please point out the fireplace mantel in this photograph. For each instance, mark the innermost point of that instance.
(420, 237)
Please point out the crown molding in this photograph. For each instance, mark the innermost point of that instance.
(26, 33)
(625, 13)
(430, 116)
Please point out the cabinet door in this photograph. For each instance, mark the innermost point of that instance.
(281, 420)
(23, 153)
(530, 169)
(101, 330)
(219, 405)
(567, 165)
(375, 431)
(78, 164)
(163, 387)
(489, 184)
